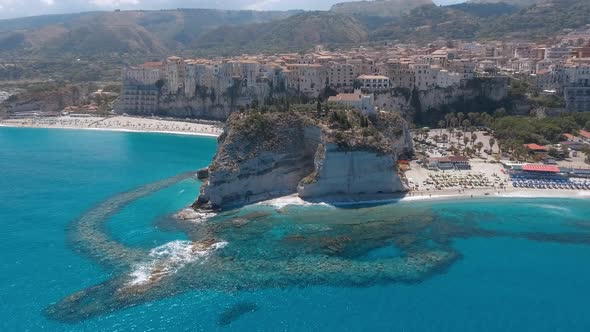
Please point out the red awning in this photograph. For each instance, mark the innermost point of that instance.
(541, 168)
(536, 147)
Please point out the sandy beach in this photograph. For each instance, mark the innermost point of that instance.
(439, 195)
(119, 123)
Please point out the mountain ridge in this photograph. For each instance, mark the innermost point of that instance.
(154, 34)
(379, 8)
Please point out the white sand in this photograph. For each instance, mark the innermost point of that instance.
(119, 123)
(435, 195)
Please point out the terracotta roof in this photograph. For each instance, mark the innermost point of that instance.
(458, 159)
(370, 77)
(536, 147)
(540, 168)
(584, 134)
(152, 64)
(569, 136)
(345, 97)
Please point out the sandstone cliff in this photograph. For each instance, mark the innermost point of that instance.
(494, 89)
(48, 98)
(263, 156)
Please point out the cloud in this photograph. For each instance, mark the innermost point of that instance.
(114, 3)
(261, 5)
(48, 2)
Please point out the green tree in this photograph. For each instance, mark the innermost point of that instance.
(465, 123)
(458, 135)
(479, 146)
(553, 152)
(460, 117)
(500, 112)
(319, 108)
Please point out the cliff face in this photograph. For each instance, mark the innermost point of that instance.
(259, 157)
(354, 173)
(494, 89)
(263, 156)
(49, 99)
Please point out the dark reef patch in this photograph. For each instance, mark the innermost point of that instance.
(235, 312)
(257, 247)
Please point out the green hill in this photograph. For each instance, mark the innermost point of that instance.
(379, 8)
(474, 21)
(153, 34)
(139, 32)
(519, 3)
(298, 32)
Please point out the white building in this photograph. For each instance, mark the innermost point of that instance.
(342, 74)
(374, 82)
(174, 73)
(147, 74)
(558, 52)
(447, 79)
(425, 77)
(309, 79)
(464, 67)
(356, 100)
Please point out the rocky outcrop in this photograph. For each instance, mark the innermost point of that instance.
(494, 89)
(351, 173)
(50, 98)
(259, 157)
(263, 156)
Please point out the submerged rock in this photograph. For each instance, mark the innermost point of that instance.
(235, 312)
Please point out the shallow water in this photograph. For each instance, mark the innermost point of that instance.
(88, 214)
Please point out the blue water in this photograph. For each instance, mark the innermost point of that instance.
(522, 265)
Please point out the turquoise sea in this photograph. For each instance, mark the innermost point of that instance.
(88, 244)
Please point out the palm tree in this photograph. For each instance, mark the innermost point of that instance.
(448, 117)
(479, 146)
(466, 123)
(466, 140)
(474, 117)
(460, 117)
(466, 151)
(454, 121)
(458, 136)
(473, 138)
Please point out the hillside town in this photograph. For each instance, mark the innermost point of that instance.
(453, 92)
(561, 69)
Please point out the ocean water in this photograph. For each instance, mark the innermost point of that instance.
(88, 244)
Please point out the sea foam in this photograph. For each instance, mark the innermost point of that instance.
(169, 258)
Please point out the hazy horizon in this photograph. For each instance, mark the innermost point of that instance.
(25, 8)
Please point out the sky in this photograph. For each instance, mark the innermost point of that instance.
(20, 8)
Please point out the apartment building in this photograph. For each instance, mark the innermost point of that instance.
(342, 75)
(374, 82)
(146, 74)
